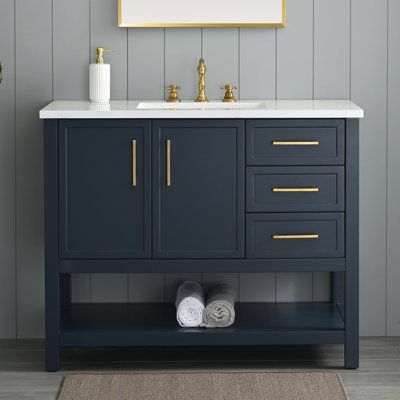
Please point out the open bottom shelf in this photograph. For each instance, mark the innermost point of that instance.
(155, 325)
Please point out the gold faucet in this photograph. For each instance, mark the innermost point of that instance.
(202, 81)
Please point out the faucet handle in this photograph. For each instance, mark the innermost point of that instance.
(173, 96)
(229, 96)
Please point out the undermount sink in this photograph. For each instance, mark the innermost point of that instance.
(211, 105)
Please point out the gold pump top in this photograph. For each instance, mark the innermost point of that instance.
(100, 54)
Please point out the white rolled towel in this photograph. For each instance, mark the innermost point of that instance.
(220, 307)
(189, 304)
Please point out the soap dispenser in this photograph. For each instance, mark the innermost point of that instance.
(99, 78)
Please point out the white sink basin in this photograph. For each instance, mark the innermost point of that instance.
(211, 105)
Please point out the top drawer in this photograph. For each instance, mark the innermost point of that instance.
(295, 142)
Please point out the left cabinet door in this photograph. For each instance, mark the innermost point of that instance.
(105, 189)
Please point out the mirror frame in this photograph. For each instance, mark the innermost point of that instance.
(280, 24)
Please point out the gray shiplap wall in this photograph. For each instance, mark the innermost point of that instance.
(330, 49)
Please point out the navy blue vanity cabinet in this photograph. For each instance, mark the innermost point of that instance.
(201, 195)
(198, 187)
(105, 186)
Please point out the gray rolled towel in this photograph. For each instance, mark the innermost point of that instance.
(220, 307)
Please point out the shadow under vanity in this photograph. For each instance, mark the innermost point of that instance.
(135, 190)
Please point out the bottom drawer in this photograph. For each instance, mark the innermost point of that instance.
(306, 235)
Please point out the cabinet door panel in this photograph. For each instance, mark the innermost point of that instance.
(201, 213)
(103, 214)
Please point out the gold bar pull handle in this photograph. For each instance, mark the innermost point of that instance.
(304, 236)
(134, 162)
(168, 162)
(295, 143)
(295, 190)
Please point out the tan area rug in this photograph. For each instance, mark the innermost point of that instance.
(205, 386)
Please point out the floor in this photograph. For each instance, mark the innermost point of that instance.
(22, 376)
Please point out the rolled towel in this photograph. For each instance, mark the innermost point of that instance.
(220, 307)
(189, 304)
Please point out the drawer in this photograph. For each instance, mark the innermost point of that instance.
(291, 189)
(317, 235)
(295, 142)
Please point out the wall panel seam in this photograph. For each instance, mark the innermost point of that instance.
(238, 83)
(15, 172)
(387, 159)
(313, 57)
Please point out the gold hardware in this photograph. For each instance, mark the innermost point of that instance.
(100, 54)
(168, 162)
(229, 96)
(289, 190)
(289, 143)
(308, 236)
(201, 69)
(173, 94)
(201, 25)
(134, 162)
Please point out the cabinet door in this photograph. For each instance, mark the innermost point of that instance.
(198, 178)
(105, 189)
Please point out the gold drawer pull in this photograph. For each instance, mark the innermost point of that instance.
(168, 162)
(308, 236)
(292, 190)
(291, 143)
(134, 163)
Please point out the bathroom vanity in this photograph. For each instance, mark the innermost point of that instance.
(145, 187)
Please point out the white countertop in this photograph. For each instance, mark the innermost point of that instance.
(269, 109)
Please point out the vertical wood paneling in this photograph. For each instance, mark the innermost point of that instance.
(81, 288)
(213, 279)
(182, 53)
(393, 213)
(295, 52)
(33, 91)
(257, 63)
(104, 32)
(109, 288)
(7, 173)
(369, 90)
(332, 49)
(146, 288)
(71, 49)
(294, 286)
(321, 286)
(257, 287)
(146, 64)
(221, 54)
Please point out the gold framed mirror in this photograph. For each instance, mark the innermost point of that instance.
(207, 13)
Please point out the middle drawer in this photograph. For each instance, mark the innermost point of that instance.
(293, 189)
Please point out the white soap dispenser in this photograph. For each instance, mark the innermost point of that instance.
(99, 78)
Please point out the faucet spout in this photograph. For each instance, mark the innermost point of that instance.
(201, 69)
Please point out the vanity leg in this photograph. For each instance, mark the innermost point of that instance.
(52, 276)
(351, 347)
(352, 246)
